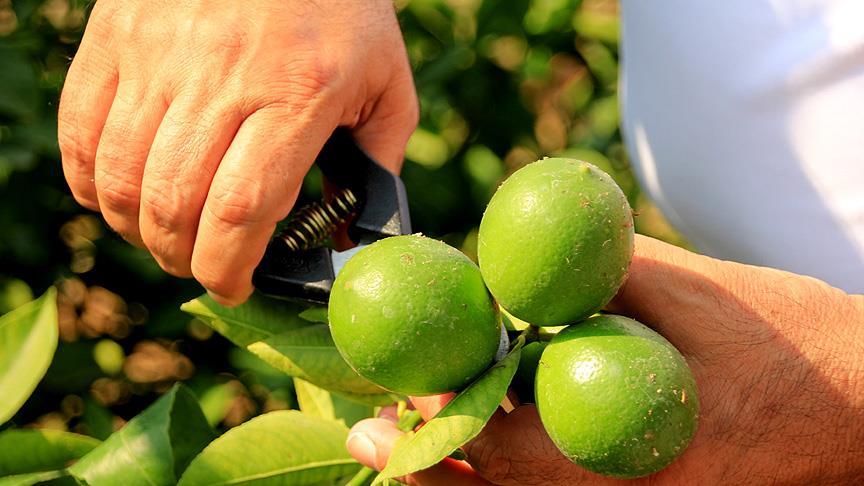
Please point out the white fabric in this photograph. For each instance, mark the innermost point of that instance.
(745, 120)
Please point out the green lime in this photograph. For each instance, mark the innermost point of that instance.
(412, 315)
(556, 241)
(616, 397)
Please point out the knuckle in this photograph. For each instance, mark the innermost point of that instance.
(318, 75)
(167, 228)
(232, 42)
(117, 194)
(310, 72)
(302, 84)
(238, 201)
(163, 205)
(77, 152)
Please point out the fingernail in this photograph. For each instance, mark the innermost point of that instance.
(361, 447)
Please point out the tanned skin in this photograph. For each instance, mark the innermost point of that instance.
(190, 124)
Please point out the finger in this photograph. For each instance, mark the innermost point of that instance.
(391, 122)
(514, 449)
(186, 151)
(429, 406)
(254, 187)
(88, 92)
(123, 147)
(390, 412)
(371, 441)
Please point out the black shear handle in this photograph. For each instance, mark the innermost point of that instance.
(308, 275)
(383, 202)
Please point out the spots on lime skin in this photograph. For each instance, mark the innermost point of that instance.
(609, 395)
(412, 315)
(556, 241)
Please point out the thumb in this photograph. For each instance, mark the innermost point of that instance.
(371, 441)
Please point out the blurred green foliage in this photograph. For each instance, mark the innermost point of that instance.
(501, 83)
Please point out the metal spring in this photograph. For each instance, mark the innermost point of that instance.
(314, 223)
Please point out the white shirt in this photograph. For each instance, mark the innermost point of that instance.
(745, 120)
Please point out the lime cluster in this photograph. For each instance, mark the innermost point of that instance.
(417, 317)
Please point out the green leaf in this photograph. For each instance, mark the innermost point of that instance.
(29, 479)
(28, 339)
(32, 450)
(259, 318)
(309, 353)
(279, 448)
(457, 423)
(20, 94)
(374, 400)
(315, 314)
(273, 330)
(216, 401)
(318, 402)
(97, 421)
(153, 448)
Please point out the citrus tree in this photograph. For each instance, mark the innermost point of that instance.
(104, 377)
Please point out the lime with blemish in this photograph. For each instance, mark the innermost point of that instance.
(412, 315)
(616, 397)
(556, 241)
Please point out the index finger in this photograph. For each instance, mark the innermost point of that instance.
(254, 187)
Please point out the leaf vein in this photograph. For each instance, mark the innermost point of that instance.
(289, 469)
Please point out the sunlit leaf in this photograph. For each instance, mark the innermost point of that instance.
(278, 448)
(29, 479)
(318, 402)
(153, 448)
(33, 450)
(259, 318)
(216, 401)
(28, 339)
(309, 353)
(274, 331)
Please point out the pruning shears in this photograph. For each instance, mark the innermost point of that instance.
(297, 265)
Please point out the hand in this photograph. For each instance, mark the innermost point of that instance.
(778, 359)
(190, 124)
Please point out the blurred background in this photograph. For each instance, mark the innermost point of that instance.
(501, 83)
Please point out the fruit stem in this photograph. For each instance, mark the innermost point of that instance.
(364, 477)
(546, 336)
(409, 420)
(531, 334)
